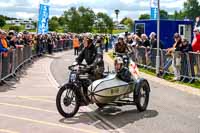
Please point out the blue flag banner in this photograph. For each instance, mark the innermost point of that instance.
(43, 18)
(154, 13)
(154, 9)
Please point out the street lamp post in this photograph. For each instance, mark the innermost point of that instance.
(158, 40)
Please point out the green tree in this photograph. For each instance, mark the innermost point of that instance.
(79, 20)
(53, 25)
(122, 21)
(177, 15)
(87, 18)
(104, 23)
(144, 16)
(191, 9)
(164, 14)
(128, 22)
(61, 21)
(2, 22)
(15, 28)
(54, 18)
(72, 18)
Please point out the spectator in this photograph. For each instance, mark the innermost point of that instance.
(153, 41)
(197, 23)
(2, 48)
(145, 41)
(186, 62)
(196, 48)
(142, 43)
(20, 40)
(12, 39)
(106, 43)
(196, 41)
(176, 62)
(50, 41)
(76, 45)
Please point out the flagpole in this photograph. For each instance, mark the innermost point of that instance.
(158, 40)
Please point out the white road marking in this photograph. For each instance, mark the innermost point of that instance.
(27, 107)
(95, 123)
(7, 131)
(45, 123)
(199, 116)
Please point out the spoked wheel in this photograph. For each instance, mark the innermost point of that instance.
(142, 99)
(67, 101)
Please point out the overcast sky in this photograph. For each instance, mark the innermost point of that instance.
(128, 8)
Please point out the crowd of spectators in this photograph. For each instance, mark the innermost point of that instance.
(46, 43)
(145, 53)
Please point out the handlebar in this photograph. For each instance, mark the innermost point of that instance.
(122, 54)
(81, 66)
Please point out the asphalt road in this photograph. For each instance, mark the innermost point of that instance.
(170, 110)
(28, 105)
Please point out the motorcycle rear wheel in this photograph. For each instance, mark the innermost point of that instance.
(66, 97)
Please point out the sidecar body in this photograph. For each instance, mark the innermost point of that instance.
(109, 89)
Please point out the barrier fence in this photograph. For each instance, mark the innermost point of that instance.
(188, 63)
(15, 59)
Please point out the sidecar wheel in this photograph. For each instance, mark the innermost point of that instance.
(142, 98)
(67, 102)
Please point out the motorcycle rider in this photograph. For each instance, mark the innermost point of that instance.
(93, 58)
(123, 72)
(121, 46)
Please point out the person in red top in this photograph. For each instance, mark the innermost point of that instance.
(196, 41)
(196, 48)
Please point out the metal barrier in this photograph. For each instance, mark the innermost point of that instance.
(189, 65)
(17, 58)
(195, 64)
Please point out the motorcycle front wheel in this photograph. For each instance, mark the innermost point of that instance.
(67, 101)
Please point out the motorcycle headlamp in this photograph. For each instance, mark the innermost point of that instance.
(73, 77)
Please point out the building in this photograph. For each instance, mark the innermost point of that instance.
(119, 26)
(19, 22)
(167, 29)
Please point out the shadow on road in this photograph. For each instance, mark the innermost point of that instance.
(115, 115)
(81, 118)
(121, 118)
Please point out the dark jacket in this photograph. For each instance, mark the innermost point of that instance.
(146, 43)
(94, 59)
(121, 48)
(153, 44)
(186, 48)
(124, 74)
(89, 54)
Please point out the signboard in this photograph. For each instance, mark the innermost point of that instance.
(43, 17)
(154, 9)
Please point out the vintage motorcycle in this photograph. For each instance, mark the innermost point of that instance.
(80, 90)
